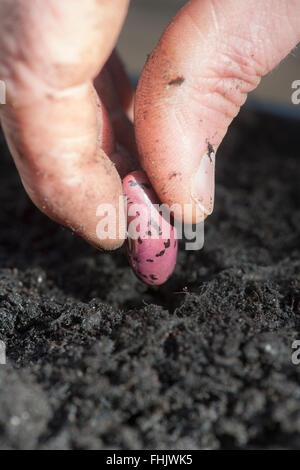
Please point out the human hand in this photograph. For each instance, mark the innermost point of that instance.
(63, 136)
(212, 54)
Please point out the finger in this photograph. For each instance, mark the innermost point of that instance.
(122, 84)
(211, 55)
(117, 96)
(57, 129)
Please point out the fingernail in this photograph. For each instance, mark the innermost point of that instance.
(203, 183)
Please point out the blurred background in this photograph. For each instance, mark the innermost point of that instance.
(146, 21)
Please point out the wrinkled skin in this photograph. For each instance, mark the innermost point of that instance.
(71, 145)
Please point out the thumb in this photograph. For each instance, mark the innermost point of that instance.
(210, 56)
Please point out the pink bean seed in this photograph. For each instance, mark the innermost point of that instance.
(152, 240)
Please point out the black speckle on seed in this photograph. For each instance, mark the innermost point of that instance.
(153, 277)
(175, 243)
(149, 233)
(161, 253)
(140, 241)
(132, 183)
(167, 243)
(150, 260)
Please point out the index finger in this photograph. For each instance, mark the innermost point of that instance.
(56, 127)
